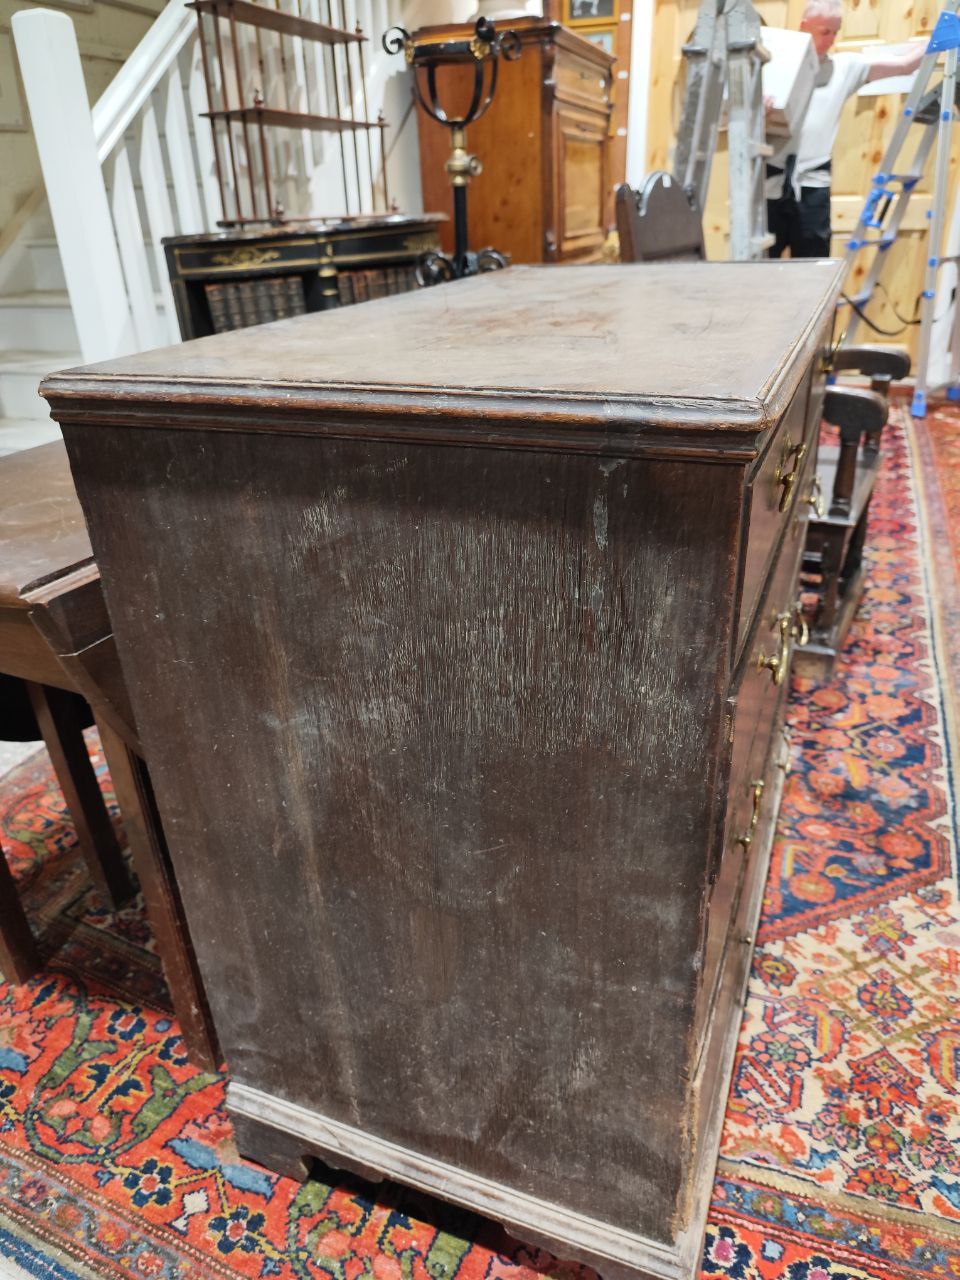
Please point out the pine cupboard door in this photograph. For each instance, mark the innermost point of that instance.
(865, 130)
(580, 138)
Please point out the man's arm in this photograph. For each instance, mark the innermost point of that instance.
(901, 64)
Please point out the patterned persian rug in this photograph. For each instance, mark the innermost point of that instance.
(841, 1150)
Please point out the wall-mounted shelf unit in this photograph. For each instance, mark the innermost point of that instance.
(293, 67)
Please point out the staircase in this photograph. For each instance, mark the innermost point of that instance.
(37, 334)
(85, 279)
(37, 331)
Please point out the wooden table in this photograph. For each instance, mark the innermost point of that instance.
(55, 635)
(457, 628)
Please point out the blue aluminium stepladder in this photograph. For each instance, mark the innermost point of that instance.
(934, 112)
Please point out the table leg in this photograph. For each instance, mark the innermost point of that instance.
(19, 957)
(161, 898)
(56, 714)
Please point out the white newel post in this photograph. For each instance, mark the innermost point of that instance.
(59, 109)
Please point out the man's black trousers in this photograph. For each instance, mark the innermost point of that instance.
(802, 226)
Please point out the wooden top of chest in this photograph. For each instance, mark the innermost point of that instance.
(592, 356)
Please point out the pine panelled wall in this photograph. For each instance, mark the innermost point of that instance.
(865, 130)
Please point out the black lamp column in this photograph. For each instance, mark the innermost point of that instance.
(483, 51)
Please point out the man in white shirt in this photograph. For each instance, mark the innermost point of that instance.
(798, 174)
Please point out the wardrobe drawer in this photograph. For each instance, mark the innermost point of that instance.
(581, 81)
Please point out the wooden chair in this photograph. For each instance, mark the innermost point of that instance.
(846, 475)
(658, 222)
(56, 646)
(31, 711)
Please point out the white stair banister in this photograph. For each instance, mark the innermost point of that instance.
(142, 164)
(159, 214)
(133, 254)
(53, 81)
(182, 165)
(131, 87)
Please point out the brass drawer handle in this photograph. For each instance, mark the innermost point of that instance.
(787, 479)
(814, 498)
(777, 663)
(747, 840)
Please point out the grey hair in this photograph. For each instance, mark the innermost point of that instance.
(823, 9)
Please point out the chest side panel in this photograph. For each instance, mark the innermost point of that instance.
(434, 733)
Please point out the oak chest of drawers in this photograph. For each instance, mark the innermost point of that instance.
(456, 628)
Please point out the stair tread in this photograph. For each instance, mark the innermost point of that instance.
(13, 360)
(26, 433)
(36, 298)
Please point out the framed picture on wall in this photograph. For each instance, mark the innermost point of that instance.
(576, 12)
(605, 37)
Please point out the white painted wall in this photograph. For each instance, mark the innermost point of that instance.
(641, 49)
(430, 13)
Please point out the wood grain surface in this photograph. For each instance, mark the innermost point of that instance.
(652, 345)
(434, 709)
(42, 529)
(442, 737)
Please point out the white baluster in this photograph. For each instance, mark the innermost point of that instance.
(180, 156)
(156, 201)
(57, 97)
(302, 102)
(365, 17)
(133, 254)
(203, 138)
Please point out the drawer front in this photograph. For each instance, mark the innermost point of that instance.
(581, 82)
(743, 803)
(752, 808)
(763, 687)
(721, 1020)
(770, 651)
(772, 499)
(265, 257)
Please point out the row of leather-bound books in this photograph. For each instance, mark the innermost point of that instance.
(239, 303)
(360, 286)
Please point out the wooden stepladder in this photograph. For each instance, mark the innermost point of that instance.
(726, 55)
(933, 111)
